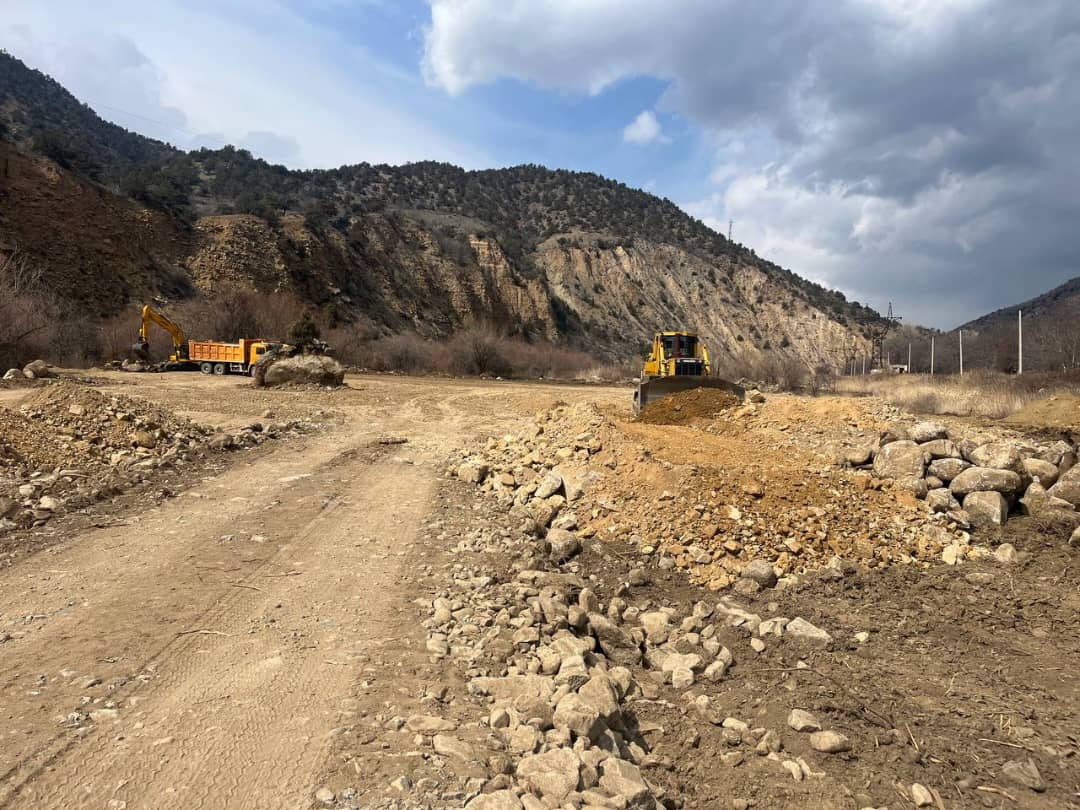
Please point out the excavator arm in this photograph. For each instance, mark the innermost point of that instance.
(179, 339)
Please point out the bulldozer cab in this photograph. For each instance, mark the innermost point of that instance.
(679, 345)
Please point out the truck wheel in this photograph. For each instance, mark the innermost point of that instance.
(206, 368)
(251, 369)
(219, 368)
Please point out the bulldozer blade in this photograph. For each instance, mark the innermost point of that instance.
(660, 387)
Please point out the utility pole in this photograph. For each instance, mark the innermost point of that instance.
(909, 357)
(1020, 341)
(730, 228)
(864, 364)
(961, 352)
(931, 355)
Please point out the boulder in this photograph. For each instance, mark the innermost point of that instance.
(623, 780)
(986, 508)
(927, 432)
(761, 572)
(916, 486)
(941, 448)
(1042, 471)
(984, 479)
(472, 471)
(14, 374)
(1037, 501)
(549, 485)
(38, 370)
(999, 455)
(947, 468)
(312, 369)
(1068, 486)
(829, 742)
(600, 693)
(553, 775)
(562, 545)
(581, 719)
(615, 643)
(901, 459)
(496, 800)
(801, 720)
(941, 500)
(801, 629)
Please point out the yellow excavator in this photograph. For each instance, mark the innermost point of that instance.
(141, 349)
(677, 362)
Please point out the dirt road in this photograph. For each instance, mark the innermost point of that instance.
(201, 654)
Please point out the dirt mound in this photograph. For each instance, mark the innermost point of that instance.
(69, 446)
(686, 406)
(753, 483)
(305, 369)
(1057, 411)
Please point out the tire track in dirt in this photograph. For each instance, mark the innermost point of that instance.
(271, 729)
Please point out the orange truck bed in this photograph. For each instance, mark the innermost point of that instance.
(216, 352)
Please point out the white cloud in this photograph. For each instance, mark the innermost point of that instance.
(256, 74)
(645, 129)
(910, 150)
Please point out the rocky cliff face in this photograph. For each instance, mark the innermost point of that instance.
(397, 272)
(624, 294)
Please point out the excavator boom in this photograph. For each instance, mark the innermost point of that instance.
(179, 339)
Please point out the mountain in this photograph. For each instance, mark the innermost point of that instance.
(112, 217)
(1052, 305)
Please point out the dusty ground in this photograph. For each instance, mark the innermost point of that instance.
(245, 643)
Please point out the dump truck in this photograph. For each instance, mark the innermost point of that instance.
(678, 361)
(215, 357)
(207, 356)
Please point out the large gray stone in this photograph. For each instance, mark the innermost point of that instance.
(1042, 471)
(941, 448)
(801, 629)
(549, 485)
(553, 775)
(761, 571)
(562, 545)
(986, 508)
(941, 500)
(984, 479)
(947, 468)
(623, 779)
(1068, 486)
(999, 455)
(902, 459)
(496, 800)
(927, 431)
(582, 719)
(313, 369)
(615, 643)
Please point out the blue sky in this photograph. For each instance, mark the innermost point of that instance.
(913, 151)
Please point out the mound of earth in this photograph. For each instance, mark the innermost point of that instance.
(686, 406)
(305, 369)
(1056, 411)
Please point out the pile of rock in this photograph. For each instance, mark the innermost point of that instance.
(977, 480)
(562, 670)
(70, 446)
(36, 370)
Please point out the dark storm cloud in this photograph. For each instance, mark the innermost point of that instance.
(929, 144)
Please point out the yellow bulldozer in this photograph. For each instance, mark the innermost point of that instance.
(677, 362)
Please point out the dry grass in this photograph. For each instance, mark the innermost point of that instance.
(989, 394)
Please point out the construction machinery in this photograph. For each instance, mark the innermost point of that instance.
(151, 316)
(207, 356)
(677, 362)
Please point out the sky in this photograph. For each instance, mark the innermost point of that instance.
(918, 152)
